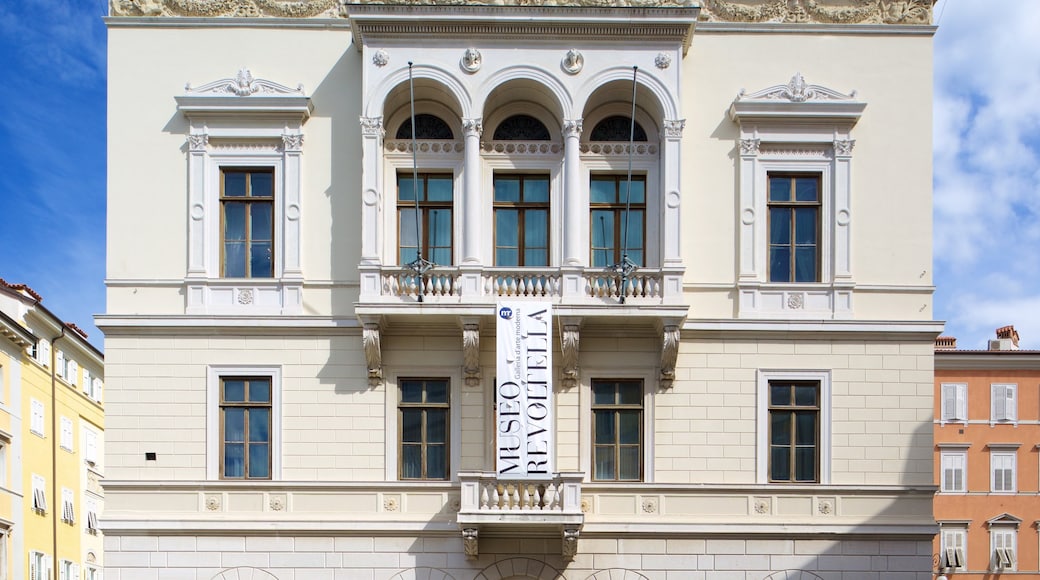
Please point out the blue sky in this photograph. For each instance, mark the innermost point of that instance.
(987, 175)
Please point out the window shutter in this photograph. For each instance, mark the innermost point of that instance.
(87, 381)
(75, 572)
(90, 446)
(962, 402)
(45, 353)
(60, 364)
(62, 572)
(1010, 403)
(997, 402)
(33, 572)
(949, 402)
(48, 563)
(73, 375)
(97, 389)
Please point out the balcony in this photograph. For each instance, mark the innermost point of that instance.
(518, 507)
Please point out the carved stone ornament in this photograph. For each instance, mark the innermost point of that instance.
(390, 504)
(292, 142)
(572, 128)
(570, 543)
(819, 11)
(795, 301)
(796, 91)
(750, 146)
(662, 61)
(243, 85)
(213, 503)
(673, 128)
(761, 506)
(471, 354)
(198, 142)
(586, 505)
(569, 340)
(650, 506)
(669, 355)
(373, 353)
(381, 58)
(471, 60)
(236, 8)
(826, 506)
(471, 126)
(372, 126)
(245, 296)
(572, 62)
(277, 503)
(843, 147)
(470, 542)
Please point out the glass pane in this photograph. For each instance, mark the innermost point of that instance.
(536, 228)
(261, 184)
(234, 460)
(637, 186)
(636, 256)
(507, 257)
(437, 392)
(436, 462)
(259, 460)
(805, 225)
(603, 394)
(628, 427)
(604, 463)
(260, 263)
(405, 188)
(805, 395)
(780, 428)
(536, 189)
(259, 391)
(805, 428)
(779, 189)
(411, 425)
(779, 395)
(440, 227)
(805, 189)
(234, 425)
(602, 190)
(779, 225)
(628, 459)
(411, 462)
(779, 264)
(440, 256)
(436, 426)
(234, 390)
(259, 425)
(507, 228)
(406, 228)
(234, 221)
(438, 188)
(630, 393)
(805, 264)
(780, 464)
(260, 222)
(805, 464)
(234, 184)
(507, 189)
(536, 258)
(635, 230)
(411, 392)
(604, 427)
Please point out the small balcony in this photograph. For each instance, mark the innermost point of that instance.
(520, 507)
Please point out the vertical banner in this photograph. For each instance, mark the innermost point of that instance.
(523, 391)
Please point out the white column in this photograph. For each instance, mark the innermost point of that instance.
(471, 195)
(574, 211)
(749, 252)
(292, 144)
(198, 141)
(670, 235)
(842, 209)
(371, 193)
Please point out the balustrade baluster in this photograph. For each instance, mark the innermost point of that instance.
(483, 496)
(495, 498)
(536, 501)
(525, 497)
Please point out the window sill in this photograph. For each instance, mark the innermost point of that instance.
(795, 301)
(244, 296)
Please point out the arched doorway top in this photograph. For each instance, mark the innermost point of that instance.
(616, 574)
(793, 575)
(457, 96)
(422, 573)
(244, 573)
(653, 95)
(519, 568)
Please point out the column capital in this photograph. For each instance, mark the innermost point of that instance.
(673, 128)
(572, 128)
(372, 126)
(473, 127)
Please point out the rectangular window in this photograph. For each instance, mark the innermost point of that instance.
(90, 573)
(87, 377)
(66, 434)
(59, 364)
(68, 510)
(954, 548)
(794, 227)
(94, 389)
(245, 427)
(39, 491)
(424, 418)
(617, 426)
(39, 566)
(68, 571)
(247, 223)
(954, 471)
(91, 523)
(521, 220)
(90, 446)
(610, 211)
(37, 420)
(44, 352)
(954, 402)
(1002, 471)
(794, 431)
(71, 372)
(1004, 403)
(434, 237)
(1003, 548)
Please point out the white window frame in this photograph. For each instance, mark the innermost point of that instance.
(39, 494)
(93, 389)
(213, 438)
(762, 419)
(953, 459)
(953, 539)
(1003, 460)
(66, 434)
(649, 379)
(393, 395)
(1004, 403)
(43, 352)
(90, 523)
(71, 372)
(68, 507)
(953, 403)
(40, 566)
(60, 365)
(38, 418)
(87, 380)
(1000, 538)
(91, 573)
(68, 570)
(90, 444)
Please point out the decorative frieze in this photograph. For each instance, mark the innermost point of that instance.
(819, 12)
(426, 147)
(796, 91)
(610, 148)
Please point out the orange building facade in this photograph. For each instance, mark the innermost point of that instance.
(987, 431)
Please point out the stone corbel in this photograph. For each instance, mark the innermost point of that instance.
(470, 541)
(373, 351)
(669, 353)
(570, 543)
(471, 350)
(570, 334)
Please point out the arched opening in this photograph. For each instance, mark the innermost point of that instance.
(617, 128)
(521, 128)
(427, 126)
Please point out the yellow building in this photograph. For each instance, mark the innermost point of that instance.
(51, 442)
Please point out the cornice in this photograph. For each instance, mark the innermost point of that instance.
(879, 330)
(987, 360)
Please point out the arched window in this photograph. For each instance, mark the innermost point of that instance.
(616, 128)
(521, 128)
(426, 127)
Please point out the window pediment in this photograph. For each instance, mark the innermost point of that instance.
(797, 100)
(245, 94)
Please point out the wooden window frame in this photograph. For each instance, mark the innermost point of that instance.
(614, 409)
(792, 409)
(424, 406)
(425, 207)
(522, 207)
(619, 209)
(224, 405)
(794, 205)
(249, 201)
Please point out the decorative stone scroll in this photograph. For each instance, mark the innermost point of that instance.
(570, 543)
(797, 91)
(243, 85)
(373, 353)
(471, 542)
(669, 354)
(471, 353)
(569, 339)
(818, 11)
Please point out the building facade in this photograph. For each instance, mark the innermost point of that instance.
(986, 432)
(51, 443)
(715, 220)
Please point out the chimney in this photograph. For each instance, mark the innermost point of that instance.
(946, 343)
(1007, 339)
